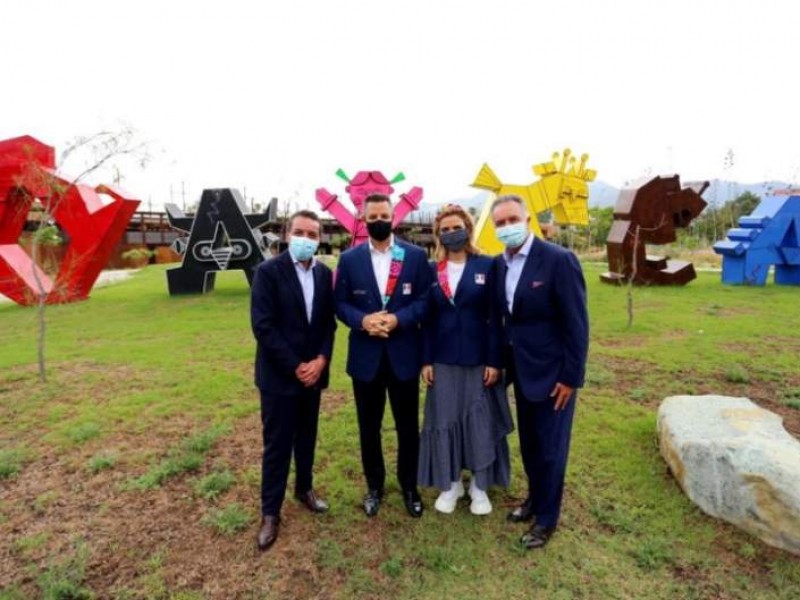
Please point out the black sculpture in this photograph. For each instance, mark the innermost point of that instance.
(221, 237)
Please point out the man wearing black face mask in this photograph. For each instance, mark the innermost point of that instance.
(381, 295)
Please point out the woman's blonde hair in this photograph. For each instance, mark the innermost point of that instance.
(453, 210)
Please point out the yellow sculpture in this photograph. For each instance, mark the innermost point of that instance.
(562, 188)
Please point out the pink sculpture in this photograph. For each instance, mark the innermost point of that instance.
(364, 184)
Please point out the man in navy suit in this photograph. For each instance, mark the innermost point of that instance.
(543, 293)
(293, 320)
(381, 295)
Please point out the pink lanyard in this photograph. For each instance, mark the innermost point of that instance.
(444, 283)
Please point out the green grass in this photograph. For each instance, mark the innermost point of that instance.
(214, 484)
(188, 457)
(10, 462)
(229, 520)
(152, 388)
(63, 579)
(101, 462)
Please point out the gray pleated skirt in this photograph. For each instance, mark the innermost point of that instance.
(465, 427)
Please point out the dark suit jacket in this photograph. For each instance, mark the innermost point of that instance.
(549, 327)
(468, 333)
(280, 325)
(357, 295)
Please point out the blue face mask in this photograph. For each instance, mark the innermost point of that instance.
(514, 235)
(302, 248)
(454, 240)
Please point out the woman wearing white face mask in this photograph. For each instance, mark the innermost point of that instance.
(467, 417)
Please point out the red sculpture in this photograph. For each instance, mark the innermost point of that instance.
(93, 221)
(649, 213)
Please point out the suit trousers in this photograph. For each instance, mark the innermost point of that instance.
(544, 436)
(370, 405)
(289, 423)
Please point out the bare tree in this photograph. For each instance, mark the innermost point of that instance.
(95, 152)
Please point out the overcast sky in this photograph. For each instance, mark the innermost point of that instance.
(275, 96)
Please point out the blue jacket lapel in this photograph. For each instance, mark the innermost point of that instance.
(290, 275)
(466, 277)
(529, 269)
(365, 257)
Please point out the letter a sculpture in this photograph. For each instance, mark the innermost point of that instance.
(649, 213)
(769, 236)
(364, 184)
(562, 188)
(220, 238)
(91, 219)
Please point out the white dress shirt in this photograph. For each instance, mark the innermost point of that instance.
(515, 263)
(381, 264)
(306, 277)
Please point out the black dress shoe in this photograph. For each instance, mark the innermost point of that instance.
(312, 502)
(524, 512)
(537, 537)
(413, 503)
(268, 532)
(372, 502)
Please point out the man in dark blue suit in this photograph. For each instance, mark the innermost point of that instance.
(542, 290)
(293, 320)
(381, 295)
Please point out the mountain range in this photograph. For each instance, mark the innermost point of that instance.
(603, 194)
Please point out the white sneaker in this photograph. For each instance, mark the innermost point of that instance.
(446, 502)
(480, 505)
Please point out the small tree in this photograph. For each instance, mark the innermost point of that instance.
(95, 152)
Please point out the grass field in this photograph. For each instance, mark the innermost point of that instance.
(134, 473)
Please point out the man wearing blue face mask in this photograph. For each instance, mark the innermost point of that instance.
(543, 294)
(293, 320)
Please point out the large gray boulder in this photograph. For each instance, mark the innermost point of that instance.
(736, 462)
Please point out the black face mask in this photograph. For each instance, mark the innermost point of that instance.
(454, 240)
(379, 230)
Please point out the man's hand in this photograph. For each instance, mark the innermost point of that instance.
(389, 322)
(490, 376)
(374, 325)
(562, 393)
(309, 372)
(427, 374)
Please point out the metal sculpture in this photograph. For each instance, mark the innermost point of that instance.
(562, 188)
(769, 236)
(220, 237)
(649, 212)
(364, 184)
(93, 220)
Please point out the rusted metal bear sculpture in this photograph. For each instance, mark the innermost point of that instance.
(649, 212)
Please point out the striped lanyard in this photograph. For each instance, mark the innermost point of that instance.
(398, 255)
(444, 282)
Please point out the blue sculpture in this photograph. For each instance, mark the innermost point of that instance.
(767, 237)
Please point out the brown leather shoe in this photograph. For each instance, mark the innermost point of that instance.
(268, 532)
(312, 502)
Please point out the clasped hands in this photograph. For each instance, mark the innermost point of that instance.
(379, 324)
(309, 372)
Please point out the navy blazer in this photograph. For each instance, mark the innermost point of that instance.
(280, 325)
(469, 331)
(357, 295)
(548, 328)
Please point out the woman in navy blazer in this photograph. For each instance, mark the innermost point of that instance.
(467, 417)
